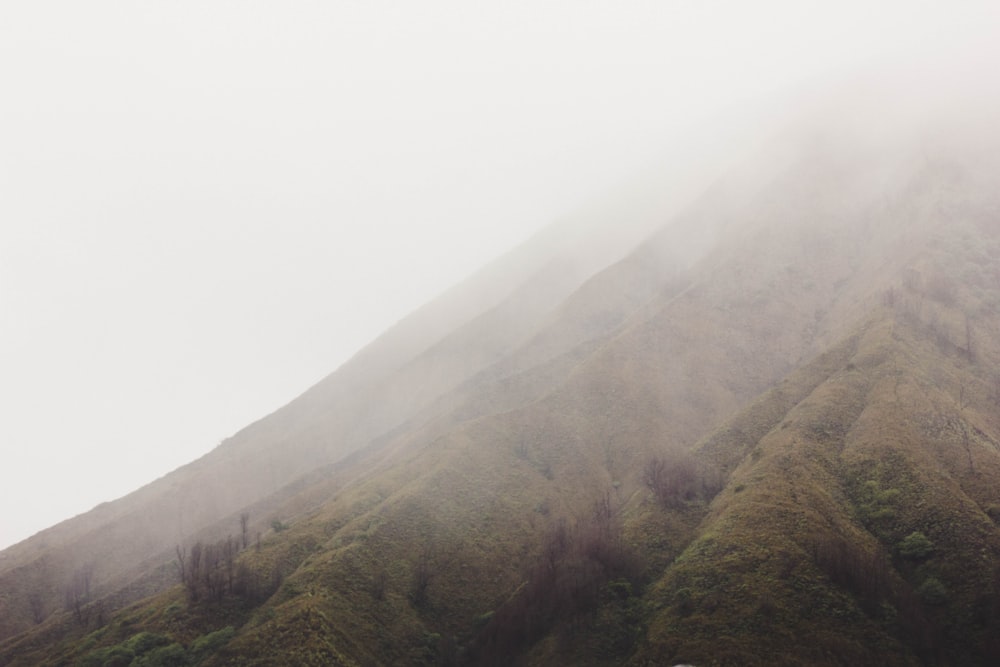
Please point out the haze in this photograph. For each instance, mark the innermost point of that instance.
(207, 207)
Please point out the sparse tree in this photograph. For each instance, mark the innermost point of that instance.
(229, 551)
(379, 582)
(968, 447)
(181, 556)
(672, 478)
(424, 571)
(194, 570)
(244, 525)
(78, 591)
(654, 475)
(37, 606)
(968, 340)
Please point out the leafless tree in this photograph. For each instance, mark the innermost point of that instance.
(380, 581)
(37, 605)
(194, 568)
(672, 478)
(181, 556)
(78, 590)
(968, 340)
(424, 571)
(244, 525)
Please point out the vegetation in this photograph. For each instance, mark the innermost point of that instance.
(838, 504)
(915, 546)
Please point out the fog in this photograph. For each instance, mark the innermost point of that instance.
(207, 207)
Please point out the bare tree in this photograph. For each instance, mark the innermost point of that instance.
(37, 605)
(672, 478)
(654, 475)
(968, 340)
(229, 550)
(78, 590)
(181, 556)
(244, 524)
(424, 570)
(380, 581)
(194, 570)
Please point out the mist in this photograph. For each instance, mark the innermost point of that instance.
(207, 208)
(578, 333)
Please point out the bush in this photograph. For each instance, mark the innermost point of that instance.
(172, 655)
(674, 479)
(915, 546)
(932, 591)
(875, 504)
(144, 641)
(206, 645)
(111, 656)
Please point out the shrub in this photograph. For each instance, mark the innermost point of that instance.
(172, 655)
(144, 641)
(673, 478)
(144, 649)
(111, 656)
(993, 511)
(915, 546)
(876, 504)
(932, 591)
(206, 645)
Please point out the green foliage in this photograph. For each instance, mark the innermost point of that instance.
(278, 526)
(915, 546)
(144, 641)
(932, 591)
(172, 655)
(132, 651)
(875, 504)
(206, 645)
(109, 656)
(147, 649)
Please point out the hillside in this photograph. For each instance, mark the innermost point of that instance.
(122, 542)
(766, 435)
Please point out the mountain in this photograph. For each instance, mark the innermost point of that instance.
(765, 431)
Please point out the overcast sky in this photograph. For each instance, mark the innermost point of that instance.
(206, 207)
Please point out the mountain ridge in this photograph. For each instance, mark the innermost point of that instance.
(680, 456)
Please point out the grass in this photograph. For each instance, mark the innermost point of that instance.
(808, 554)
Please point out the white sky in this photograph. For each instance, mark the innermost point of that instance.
(206, 207)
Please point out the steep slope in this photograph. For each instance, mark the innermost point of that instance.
(439, 515)
(387, 383)
(786, 449)
(860, 528)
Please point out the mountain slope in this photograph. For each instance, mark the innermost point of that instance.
(423, 357)
(787, 448)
